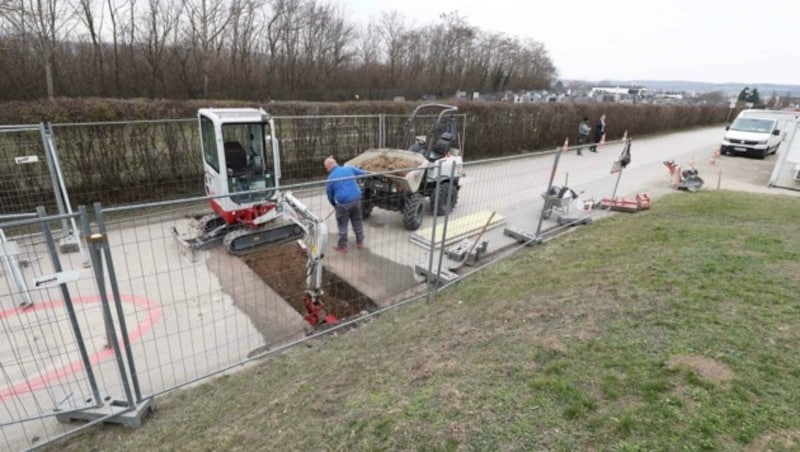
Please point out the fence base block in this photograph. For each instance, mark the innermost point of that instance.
(459, 252)
(69, 244)
(68, 411)
(444, 277)
(573, 220)
(522, 236)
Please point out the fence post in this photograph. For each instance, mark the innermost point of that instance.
(73, 318)
(625, 149)
(112, 276)
(382, 131)
(54, 180)
(96, 242)
(446, 221)
(432, 249)
(11, 264)
(549, 185)
(50, 148)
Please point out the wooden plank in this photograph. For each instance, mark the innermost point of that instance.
(458, 228)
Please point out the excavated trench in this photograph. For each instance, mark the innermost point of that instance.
(283, 268)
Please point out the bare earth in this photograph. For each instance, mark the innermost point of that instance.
(283, 267)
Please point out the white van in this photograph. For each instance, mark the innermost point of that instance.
(754, 132)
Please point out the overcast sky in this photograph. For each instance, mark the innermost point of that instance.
(699, 40)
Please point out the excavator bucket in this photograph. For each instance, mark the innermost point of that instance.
(317, 313)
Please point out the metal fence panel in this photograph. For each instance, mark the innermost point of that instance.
(126, 162)
(54, 357)
(27, 180)
(305, 141)
(187, 317)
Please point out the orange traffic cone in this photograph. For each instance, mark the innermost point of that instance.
(714, 156)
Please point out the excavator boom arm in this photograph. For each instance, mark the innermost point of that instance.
(316, 239)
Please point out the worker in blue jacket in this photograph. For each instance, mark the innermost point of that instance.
(344, 194)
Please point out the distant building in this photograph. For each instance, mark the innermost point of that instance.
(676, 96)
(618, 90)
(467, 95)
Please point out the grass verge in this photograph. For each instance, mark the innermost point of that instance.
(677, 327)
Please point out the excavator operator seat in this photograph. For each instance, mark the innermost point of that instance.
(235, 158)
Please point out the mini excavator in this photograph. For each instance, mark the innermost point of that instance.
(241, 162)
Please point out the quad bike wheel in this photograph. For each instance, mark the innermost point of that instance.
(412, 211)
(366, 209)
(447, 192)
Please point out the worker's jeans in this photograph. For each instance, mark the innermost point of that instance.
(346, 213)
(581, 142)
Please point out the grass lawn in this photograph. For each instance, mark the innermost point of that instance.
(673, 328)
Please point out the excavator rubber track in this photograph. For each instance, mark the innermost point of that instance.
(246, 240)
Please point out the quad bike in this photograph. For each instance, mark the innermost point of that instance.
(433, 167)
(684, 179)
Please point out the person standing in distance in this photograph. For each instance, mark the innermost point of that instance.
(345, 197)
(599, 132)
(583, 134)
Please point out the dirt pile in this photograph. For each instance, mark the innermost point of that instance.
(383, 163)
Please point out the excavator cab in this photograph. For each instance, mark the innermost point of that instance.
(240, 155)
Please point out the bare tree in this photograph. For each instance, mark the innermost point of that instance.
(282, 49)
(538, 70)
(414, 61)
(285, 33)
(449, 44)
(48, 21)
(88, 11)
(245, 27)
(208, 20)
(161, 18)
(369, 45)
(113, 15)
(326, 43)
(393, 29)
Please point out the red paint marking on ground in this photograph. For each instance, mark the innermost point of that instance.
(153, 315)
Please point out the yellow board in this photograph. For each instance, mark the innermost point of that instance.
(459, 228)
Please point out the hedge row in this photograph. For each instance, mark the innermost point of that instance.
(137, 162)
(494, 127)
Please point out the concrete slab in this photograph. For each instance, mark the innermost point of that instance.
(272, 316)
(372, 274)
